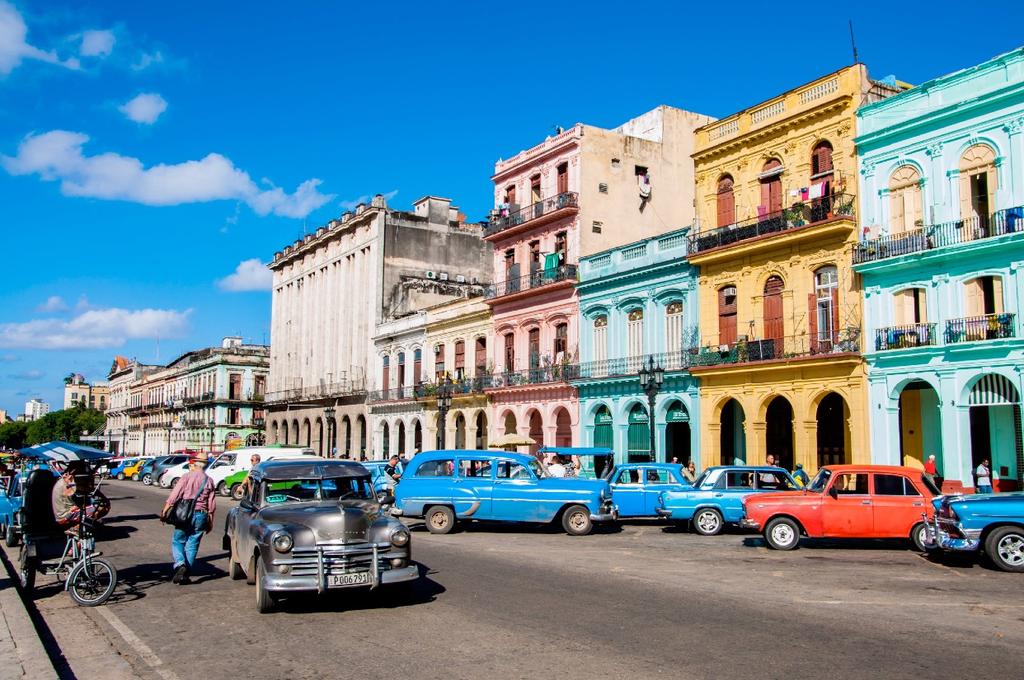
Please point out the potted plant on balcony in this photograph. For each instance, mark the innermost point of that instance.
(795, 215)
(842, 205)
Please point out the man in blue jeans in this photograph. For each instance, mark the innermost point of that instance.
(185, 541)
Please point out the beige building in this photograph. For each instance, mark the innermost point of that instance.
(331, 291)
(78, 391)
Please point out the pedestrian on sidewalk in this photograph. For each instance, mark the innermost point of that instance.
(185, 540)
(931, 471)
(984, 475)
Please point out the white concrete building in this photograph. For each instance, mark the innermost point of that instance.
(36, 409)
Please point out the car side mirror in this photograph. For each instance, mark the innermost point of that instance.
(833, 492)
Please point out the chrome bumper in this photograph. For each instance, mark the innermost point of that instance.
(663, 512)
(290, 583)
(747, 523)
(610, 514)
(937, 539)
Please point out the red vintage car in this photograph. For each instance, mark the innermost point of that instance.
(845, 501)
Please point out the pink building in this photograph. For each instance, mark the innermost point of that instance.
(582, 191)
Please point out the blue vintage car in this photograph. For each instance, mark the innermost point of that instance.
(11, 499)
(444, 487)
(381, 482)
(716, 498)
(990, 522)
(637, 486)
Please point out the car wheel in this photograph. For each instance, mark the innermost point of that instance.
(237, 491)
(222, 489)
(250, 576)
(917, 536)
(440, 519)
(174, 482)
(1005, 547)
(26, 573)
(120, 475)
(135, 477)
(234, 568)
(147, 479)
(708, 522)
(782, 533)
(576, 521)
(11, 537)
(264, 599)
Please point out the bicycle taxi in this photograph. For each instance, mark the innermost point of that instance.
(67, 550)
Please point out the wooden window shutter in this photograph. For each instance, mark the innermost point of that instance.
(812, 320)
(835, 314)
(922, 305)
(975, 298)
(966, 207)
(899, 308)
(726, 202)
(897, 224)
(912, 207)
(997, 294)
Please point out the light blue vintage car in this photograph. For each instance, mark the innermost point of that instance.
(716, 498)
(990, 522)
(444, 487)
(637, 486)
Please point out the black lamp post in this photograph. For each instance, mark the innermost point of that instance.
(444, 402)
(144, 427)
(124, 434)
(212, 424)
(168, 427)
(651, 378)
(329, 419)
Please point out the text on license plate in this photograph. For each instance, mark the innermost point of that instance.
(341, 580)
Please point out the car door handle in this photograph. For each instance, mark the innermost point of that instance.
(865, 502)
(918, 505)
(719, 495)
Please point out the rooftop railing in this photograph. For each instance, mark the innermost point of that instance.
(1008, 221)
(536, 279)
(514, 218)
(798, 215)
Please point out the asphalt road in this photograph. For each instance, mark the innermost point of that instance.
(500, 602)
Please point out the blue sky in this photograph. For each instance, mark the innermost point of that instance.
(148, 149)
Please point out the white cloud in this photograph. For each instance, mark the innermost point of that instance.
(54, 303)
(248, 275)
(145, 108)
(97, 43)
(351, 205)
(147, 59)
(57, 156)
(31, 374)
(96, 328)
(14, 46)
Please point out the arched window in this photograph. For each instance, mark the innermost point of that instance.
(977, 185)
(417, 366)
(600, 338)
(385, 378)
(821, 181)
(821, 161)
(909, 306)
(481, 356)
(401, 371)
(771, 188)
(905, 200)
(774, 328)
(824, 308)
(510, 352)
(460, 359)
(439, 361)
(726, 201)
(673, 328)
(635, 335)
(561, 347)
(727, 315)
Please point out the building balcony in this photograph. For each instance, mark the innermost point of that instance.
(800, 217)
(458, 386)
(336, 390)
(775, 350)
(516, 220)
(555, 373)
(404, 393)
(987, 327)
(565, 275)
(927, 238)
(629, 366)
(900, 337)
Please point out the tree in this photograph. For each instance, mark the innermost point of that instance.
(65, 425)
(13, 435)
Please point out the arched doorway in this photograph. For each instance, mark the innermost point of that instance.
(320, 437)
(920, 425)
(295, 433)
(996, 430)
(346, 429)
(481, 430)
(460, 430)
(563, 428)
(603, 437)
(417, 436)
(385, 441)
(536, 431)
(778, 432)
(361, 429)
(733, 441)
(677, 433)
(401, 438)
(510, 423)
(307, 432)
(638, 435)
(274, 432)
(833, 436)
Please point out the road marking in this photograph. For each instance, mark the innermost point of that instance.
(140, 647)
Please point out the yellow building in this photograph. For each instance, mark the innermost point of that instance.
(780, 366)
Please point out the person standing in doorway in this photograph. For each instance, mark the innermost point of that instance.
(185, 540)
(931, 470)
(984, 476)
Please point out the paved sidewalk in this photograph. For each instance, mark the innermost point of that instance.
(21, 652)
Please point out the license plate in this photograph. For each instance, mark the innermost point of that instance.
(342, 580)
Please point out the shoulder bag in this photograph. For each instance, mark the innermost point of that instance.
(184, 509)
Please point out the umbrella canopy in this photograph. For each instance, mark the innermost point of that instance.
(65, 452)
(510, 440)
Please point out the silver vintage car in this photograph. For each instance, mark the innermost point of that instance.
(313, 525)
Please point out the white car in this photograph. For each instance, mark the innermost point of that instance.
(219, 464)
(222, 468)
(171, 475)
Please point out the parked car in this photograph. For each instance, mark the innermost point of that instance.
(170, 476)
(381, 482)
(846, 501)
(133, 471)
(240, 460)
(146, 471)
(311, 525)
(716, 497)
(117, 472)
(166, 462)
(444, 487)
(636, 486)
(12, 496)
(990, 522)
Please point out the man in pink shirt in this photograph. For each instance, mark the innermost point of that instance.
(185, 540)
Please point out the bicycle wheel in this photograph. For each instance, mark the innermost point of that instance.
(92, 582)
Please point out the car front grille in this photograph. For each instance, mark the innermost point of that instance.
(356, 557)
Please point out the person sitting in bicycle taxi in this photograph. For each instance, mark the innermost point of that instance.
(75, 495)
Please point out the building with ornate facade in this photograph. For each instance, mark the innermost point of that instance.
(638, 304)
(396, 417)
(334, 288)
(79, 392)
(580, 192)
(780, 367)
(941, 261)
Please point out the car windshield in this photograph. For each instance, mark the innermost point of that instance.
(820, 481)
(224, 459)
(305, 490)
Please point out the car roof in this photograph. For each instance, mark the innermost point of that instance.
(649, 465)
(315, 468)
(749, 468)
(873, 468)
(471, 453)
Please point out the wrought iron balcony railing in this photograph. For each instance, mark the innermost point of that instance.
(535, 279)
(536, 376)
(622, 366)
(404, 393)
(458, 386)
(987, 327)
(547, 206)
(1008, 221)
(775, 349)
(899, 337)
(798, 215)
(324, 391)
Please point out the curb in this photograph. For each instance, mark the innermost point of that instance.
(18, 633)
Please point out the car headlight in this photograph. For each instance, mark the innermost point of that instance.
(282, 541)
(400, 538)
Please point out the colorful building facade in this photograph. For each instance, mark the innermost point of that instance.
(582, 191)
(638, 304)
(941, 260)
(780, 366)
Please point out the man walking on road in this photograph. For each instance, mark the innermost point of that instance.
(185, 540)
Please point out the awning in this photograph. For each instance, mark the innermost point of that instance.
(65, 452)
(577, 450)
(993, 390)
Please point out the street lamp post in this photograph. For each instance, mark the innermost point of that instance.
(651, 378)
(212, 424)
(329, 419)
(168, 427)
(124, 433)
(444, 402)
(144, 427)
